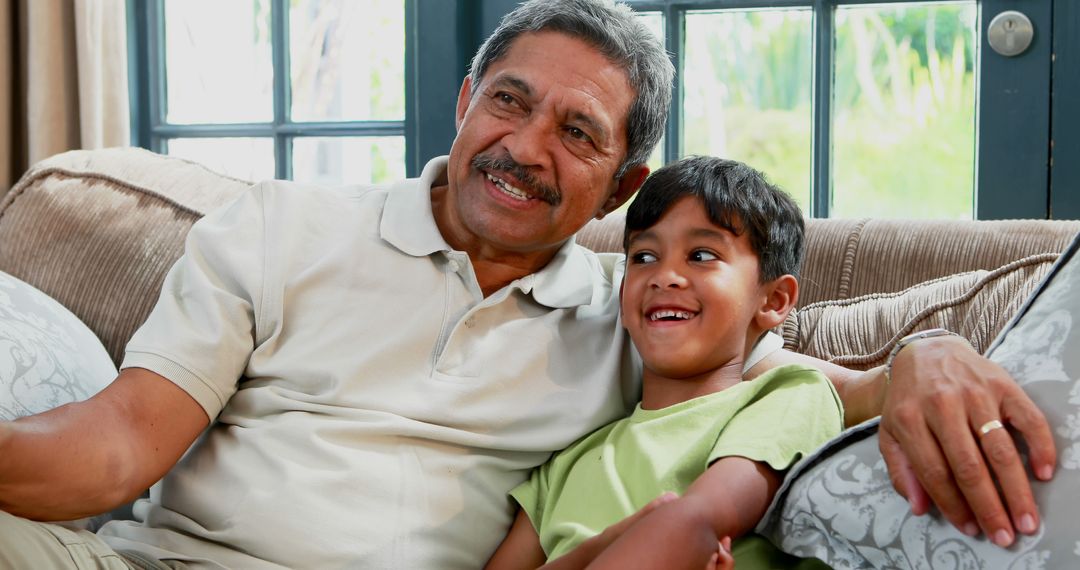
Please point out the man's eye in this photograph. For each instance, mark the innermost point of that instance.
(505, 98)
(703, 255)
(578, 134)
(642, 257)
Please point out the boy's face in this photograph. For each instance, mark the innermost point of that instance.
(691, 293)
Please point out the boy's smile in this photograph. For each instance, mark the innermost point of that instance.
(689, 300)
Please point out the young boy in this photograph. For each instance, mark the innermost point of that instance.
(712, 252)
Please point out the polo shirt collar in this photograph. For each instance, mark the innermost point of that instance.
(407, 221)
(408, 224)
(567, 281)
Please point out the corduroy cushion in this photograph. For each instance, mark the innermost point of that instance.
(860, 332)
(98, 230)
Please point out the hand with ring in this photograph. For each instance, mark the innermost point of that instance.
(942, 440)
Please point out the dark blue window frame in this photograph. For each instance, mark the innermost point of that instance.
(1013, 168)
(1028, 125)
(146, 32)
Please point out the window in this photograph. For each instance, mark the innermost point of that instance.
(856, 108)
(310, 90)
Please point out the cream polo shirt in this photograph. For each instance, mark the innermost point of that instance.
(384, 407)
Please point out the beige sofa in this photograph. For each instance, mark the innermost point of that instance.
(97, 230)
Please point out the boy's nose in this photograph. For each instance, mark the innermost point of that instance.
(668, 278)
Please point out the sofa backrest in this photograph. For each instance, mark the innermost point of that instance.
(848, 258)
(98, 230)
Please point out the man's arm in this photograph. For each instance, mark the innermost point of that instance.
(941, 392)
(88, 457)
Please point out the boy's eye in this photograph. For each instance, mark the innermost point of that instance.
(642, 257)
(703, 255)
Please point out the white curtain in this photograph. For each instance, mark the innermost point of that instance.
(63, 80)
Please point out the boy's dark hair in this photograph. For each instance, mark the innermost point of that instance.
(737, 198)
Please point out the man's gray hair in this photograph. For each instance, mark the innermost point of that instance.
(616, 32)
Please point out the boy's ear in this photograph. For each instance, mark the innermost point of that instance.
(781, 295)
(624, 188)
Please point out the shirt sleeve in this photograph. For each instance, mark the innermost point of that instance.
(794, 410)
(200, 334)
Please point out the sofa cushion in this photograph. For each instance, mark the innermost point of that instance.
(47, 356)
(98, 230)
(839, 505)
(860, 332)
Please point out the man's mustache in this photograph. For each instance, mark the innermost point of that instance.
(533, 185)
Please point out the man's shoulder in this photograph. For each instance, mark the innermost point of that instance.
(606, 267)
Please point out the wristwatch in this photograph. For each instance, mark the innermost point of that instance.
(900, 344)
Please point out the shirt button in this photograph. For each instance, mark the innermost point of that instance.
(454, 266)
(470, 322)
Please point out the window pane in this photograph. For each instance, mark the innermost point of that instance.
(219, 68)
(904, 111)
(747, 79)
(348, 160)
(243, 158)
(347, 60)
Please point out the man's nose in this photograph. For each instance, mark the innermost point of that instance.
(528, 142)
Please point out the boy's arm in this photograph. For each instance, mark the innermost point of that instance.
(521, 548)
(727, 500)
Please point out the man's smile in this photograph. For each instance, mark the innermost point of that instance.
(514, 180)
(506, 187)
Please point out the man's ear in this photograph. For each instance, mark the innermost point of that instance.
(781, 296)
(464, 97)
(625, 187)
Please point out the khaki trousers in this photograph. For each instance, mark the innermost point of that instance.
(30, 545)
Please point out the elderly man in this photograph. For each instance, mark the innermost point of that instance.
(358, 377)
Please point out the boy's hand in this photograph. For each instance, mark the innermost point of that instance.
(722, 560)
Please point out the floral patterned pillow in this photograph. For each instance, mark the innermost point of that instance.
(48, 357)
(839, 505)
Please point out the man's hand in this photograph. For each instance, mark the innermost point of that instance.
(941, 393)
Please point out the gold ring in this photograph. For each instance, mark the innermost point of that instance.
(990, 426)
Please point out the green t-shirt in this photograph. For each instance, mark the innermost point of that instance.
(611, 473)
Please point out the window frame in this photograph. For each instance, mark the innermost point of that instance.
(1033, 98)
(151, 130)
(1010, 182)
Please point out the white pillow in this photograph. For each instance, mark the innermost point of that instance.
(48, 357)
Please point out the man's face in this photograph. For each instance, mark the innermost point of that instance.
(691, 293)
(538, 147)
